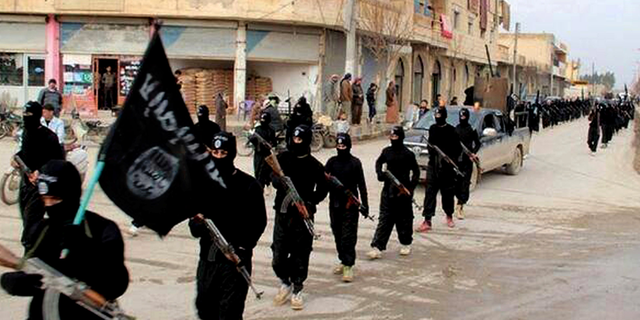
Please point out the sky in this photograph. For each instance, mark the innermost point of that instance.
(604, 32)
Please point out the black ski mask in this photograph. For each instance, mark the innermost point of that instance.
(441, 116)
(227, 142)
(464, 116)
(303, 148)
(31, 115)
(398, 143)
(203, 113)
(60, 179)
(265, 119)
(344, 139)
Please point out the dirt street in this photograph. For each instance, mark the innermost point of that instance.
(558, 241)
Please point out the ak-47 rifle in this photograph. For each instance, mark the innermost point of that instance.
(228, 251)
(472, 157)
(444, 156)
(293, 197)
(22, 165)
(353, 200)
(56, 283)
(403, 190)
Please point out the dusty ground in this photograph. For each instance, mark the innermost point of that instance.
(558, 241)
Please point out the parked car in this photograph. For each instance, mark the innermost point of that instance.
(503, 145)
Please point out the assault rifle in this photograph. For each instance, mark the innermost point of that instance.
(56, 283)
(403, 190)
(353, 200)
(292, 197)
(472, 157)
(228, 251)
(444, 156)
(22, 165)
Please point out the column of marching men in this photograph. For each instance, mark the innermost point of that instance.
(301, 183)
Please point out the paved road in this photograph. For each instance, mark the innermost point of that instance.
(558, 241)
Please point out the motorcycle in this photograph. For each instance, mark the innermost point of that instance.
(10, 182)
(89, 129)
(9, 123)
(246, 148)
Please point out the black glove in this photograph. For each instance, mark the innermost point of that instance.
(21, 284)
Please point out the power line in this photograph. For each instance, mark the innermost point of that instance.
(321, 13)
(292, 3)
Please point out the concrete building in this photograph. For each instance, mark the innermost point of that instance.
(297, 44)
(542, 63)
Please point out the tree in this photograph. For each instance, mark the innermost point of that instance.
(386, 28)
(608, 79)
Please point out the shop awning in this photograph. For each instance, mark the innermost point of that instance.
(22, 37)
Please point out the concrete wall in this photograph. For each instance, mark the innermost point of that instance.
(325, 12)
(298, 79)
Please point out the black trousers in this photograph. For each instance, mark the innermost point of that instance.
(344, 225)
(443, 181)
(592, 139)
(607, 133)
(292, 245)
(394, 211)
(462, 184)
(221, 289)
(31, 210)
(109, 98)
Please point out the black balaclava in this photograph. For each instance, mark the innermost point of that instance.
(399, 131)
(265, 119)
(31, 116)
(304, 148)
(464, 116)
(203, 113)
(345, 139)
(441, 116)
(59, 178)
(227, 142)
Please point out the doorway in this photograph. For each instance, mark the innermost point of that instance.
(399, 78)
(435, 83)
(105, 82)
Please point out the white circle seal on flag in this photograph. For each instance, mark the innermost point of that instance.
(152, 173)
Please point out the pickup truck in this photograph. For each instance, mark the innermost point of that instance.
(503, 146)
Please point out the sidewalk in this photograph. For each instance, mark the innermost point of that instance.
(236, 125)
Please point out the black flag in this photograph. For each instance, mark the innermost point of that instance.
(156, 170)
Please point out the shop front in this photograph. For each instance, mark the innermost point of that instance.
(286, 58)
(203, 52)
(100, 61)
(22, 59)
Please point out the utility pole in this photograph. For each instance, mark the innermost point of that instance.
(515, 58)
(593, 79)
(349, 21)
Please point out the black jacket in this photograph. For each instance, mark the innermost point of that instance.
(96, 257)
(349, 172)
(402, 164)
(205, 130)
(469, 137)
(446, 138)
(239, 213)
(307, 175)
(39, 146)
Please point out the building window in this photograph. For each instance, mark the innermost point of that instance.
(483, 33)
(466, 76)
(470, 26)
(456, 20)
(418, 76)
(36, 72)
(11, 69)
